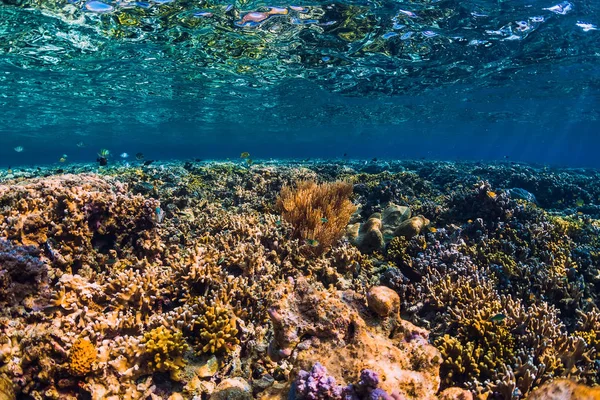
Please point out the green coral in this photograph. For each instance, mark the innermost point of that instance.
(164, 349)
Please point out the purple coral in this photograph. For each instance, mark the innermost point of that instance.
(317, 385)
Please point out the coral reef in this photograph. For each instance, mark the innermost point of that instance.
(199, 279)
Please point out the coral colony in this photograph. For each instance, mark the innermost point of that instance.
(299, 281)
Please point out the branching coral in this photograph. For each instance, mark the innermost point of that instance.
(163, 349)
(318, 212)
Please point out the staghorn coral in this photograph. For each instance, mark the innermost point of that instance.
(81, 357)
(318, 212)
(78, 219)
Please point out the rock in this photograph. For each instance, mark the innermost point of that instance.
(455, 393)
(232, 389)
(208, 368)
(7, 390)
(383, 301)
(564, 389)
(412, 226)
(394, 215)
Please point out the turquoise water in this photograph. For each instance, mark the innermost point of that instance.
(467, 80)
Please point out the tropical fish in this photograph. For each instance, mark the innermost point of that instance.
(492, 195)
(579, 202)
(311, 242)
(432, 229)
(63, 158)
(80, 144)
(586, 26)
(104, 153)
(139, 156)
(19, 149)
(498, 318)
(124, 155)
(249, 161)
(245, 154)
(324, 220)
(561, 8)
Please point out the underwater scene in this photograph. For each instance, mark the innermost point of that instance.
(345, 200)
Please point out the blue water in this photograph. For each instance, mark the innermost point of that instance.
(449, 80)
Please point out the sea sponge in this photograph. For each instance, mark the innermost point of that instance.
(318, 212)
(164, 349)
(81, 357)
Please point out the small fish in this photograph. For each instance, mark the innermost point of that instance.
(470, 221)
(9, 170)
(311, 242)
(249, 161)
(561, 9)
(492, 195)
(63, 158)
(278, 222)
(160, 214)
(220, 260)
(139, 156)
(104, 153)
(324, 220)
(80, 144)
(432, 229)
(579, 202)
(408, 13)
(124, 155)
(586, 27)
(245, 154)
(19, 149)
(498, 318)
(148, 162)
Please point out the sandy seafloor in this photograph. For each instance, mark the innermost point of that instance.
(196, 280)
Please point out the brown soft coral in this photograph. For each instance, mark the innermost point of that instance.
(319, 213)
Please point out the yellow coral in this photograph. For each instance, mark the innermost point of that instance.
(164, 349)
(82, 356)
(217, 330)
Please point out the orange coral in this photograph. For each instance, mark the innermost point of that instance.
(319, 213)
(82, 356)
